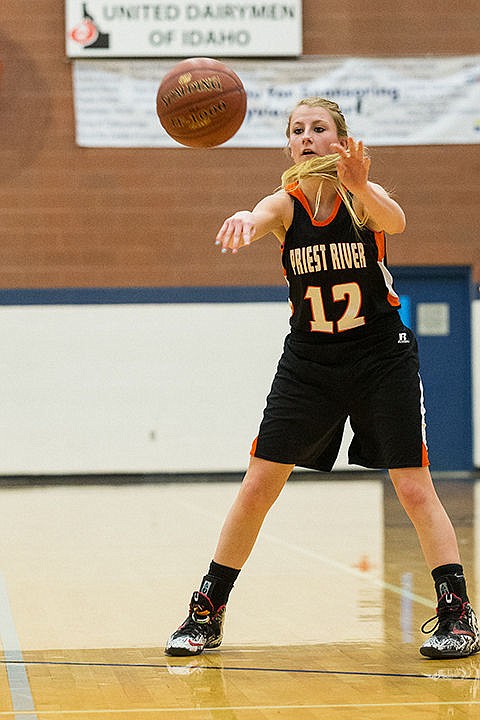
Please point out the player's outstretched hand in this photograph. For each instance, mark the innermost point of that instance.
(236, 231)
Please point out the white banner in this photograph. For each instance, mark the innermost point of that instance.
(97, 28)
(406, 101)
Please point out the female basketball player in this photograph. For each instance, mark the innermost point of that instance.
(347, 355)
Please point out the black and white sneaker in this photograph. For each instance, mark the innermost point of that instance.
(455, 632)
(202, 630)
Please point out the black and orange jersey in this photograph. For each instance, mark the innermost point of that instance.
(338, 282)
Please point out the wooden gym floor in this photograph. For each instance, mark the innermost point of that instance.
(323, 624)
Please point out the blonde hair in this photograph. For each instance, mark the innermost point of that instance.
(324, 167)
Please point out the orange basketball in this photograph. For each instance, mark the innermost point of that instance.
(201, 102)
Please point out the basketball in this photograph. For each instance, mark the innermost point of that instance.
(201, 102)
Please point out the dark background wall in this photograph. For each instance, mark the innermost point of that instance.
(79, 217)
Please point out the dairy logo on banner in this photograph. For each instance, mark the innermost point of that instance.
(97, 28)
(86, 33)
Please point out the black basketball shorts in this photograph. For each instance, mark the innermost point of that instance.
(373, 381)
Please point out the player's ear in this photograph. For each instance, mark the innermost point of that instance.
(343, 141)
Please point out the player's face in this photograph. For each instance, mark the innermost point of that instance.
(312, 130)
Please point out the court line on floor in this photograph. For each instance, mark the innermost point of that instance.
(362, 575)
(248, 708)
(234, 668)
(20, 691)
(315, 555)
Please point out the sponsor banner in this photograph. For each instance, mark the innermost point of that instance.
(181, 28)
(405, 101)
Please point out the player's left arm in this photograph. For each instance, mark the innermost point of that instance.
(381, 211)
(370, 200)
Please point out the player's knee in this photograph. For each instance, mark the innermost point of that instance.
(259, 491)
(255, 496)
(412, 491)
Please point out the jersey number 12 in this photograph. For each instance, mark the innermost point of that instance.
(350, 319)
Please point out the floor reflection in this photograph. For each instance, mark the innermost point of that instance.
(324, 621)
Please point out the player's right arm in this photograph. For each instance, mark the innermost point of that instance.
(273, 214)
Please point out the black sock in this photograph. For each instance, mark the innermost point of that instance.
(218, 583)
(450, 579)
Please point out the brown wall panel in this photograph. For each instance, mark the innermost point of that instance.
(73, 216)
(391, 28)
